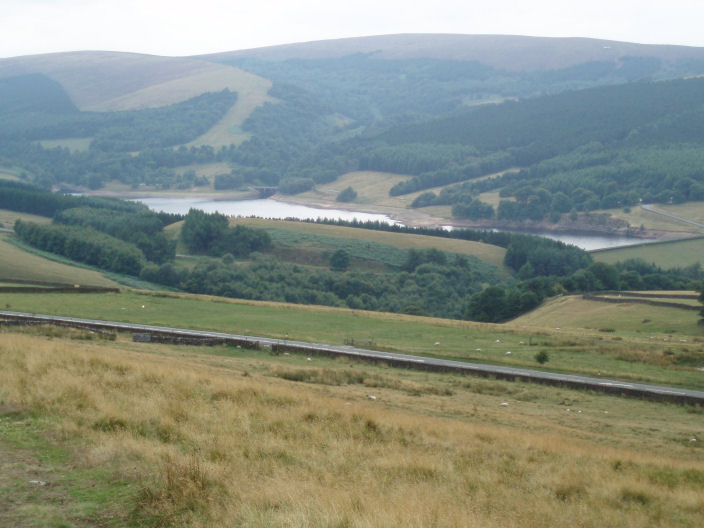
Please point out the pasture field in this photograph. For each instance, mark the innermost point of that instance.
(668, 254)
(486, 252)
(618, 344)
(130, 434)
(571, 311)
(7, 173)
(8, 218)
(73, 144)
(16, 263)
(690, 210)
(252, 92)
(639, 216)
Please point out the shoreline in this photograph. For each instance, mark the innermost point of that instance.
(418, 218)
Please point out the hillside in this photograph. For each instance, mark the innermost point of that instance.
(556, 128)
(507, 52)
(112, 81)
(134, 434)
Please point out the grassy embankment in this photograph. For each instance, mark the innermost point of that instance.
(15, 263)
(667, 254)
(366, 244)
(637, 216)
(635, 342)
(586, 342)
(129, 434)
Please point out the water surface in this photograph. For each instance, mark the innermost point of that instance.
(268, 208)
(264, 208)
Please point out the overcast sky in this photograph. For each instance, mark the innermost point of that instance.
(172, 27)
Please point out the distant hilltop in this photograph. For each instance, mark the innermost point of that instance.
(509, 52)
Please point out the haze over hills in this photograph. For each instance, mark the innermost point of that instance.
(110, 81)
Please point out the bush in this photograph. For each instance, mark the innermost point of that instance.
(542, 357)
(296, 185)
(347, 195)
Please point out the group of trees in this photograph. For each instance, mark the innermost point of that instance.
(501, 302)
(430, 283)
(83, 244)
(143, 228)
(209, 234)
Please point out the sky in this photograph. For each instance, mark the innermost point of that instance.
(178, 28)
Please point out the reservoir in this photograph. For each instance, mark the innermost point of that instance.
(268, 208)
(264, 208)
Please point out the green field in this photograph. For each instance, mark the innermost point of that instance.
(299, 231)
(73, 144)
(637, 216)
(628, 353)
(571, 311)
(8, 218)
(669, 254)
(10, 173)
(15, 263)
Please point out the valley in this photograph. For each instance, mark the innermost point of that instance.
(378, 193)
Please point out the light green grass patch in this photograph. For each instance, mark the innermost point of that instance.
(571, 311)
(8, 218)
(16, 263)
(480, 250)
(668, 254)
(637, 216)
(73, 144)
(627, 352)
(42, 483)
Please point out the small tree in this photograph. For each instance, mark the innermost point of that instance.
(347, 195)
(340, 260)
(542, 357)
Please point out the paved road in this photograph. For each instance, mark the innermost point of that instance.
(650, 208)
(403, 360)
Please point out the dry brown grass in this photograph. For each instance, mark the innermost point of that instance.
(222, 441)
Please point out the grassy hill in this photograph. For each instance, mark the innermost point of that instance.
(587, 121)
(612, 340)
(111, 81)
(570, 312)
(17, 263)
(294, 233)
(508, 52)
(668, 254)
(138, 434)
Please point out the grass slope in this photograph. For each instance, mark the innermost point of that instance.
(574, 312)
(8, 218)
(15, 263)
(110, 81)
(224, 438)
(486, 252)
(668, 254)
(627, 353)
(638, 216)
